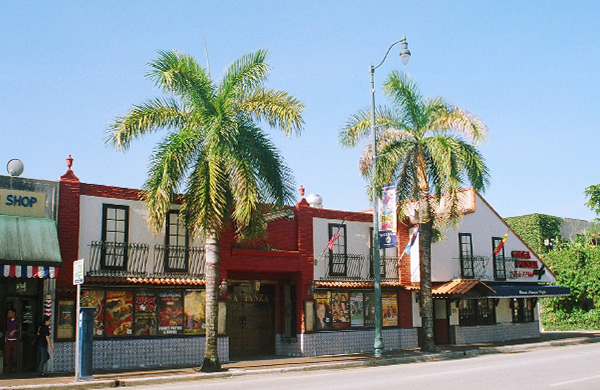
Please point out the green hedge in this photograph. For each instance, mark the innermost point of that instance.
(535, 228)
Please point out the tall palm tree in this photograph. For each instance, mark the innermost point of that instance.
(427, 147)
(215, 153)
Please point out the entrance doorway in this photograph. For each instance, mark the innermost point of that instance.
(26, 308)
(251, 320)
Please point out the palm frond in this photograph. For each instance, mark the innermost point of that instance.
(279, 109)
(463, 122)
(157, 114)
(406, 97)
(181, 75)
(246, 74)
(166, 172)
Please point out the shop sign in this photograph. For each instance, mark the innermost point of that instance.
(21, 287)
(520, 254)
(22, 203)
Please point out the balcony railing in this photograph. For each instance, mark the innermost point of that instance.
(134, 260)
(483, 267)
(359, 268)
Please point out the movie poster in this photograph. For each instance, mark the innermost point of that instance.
(119, 313)
(66, 319)
(340, 309)
(170, 313)
(95, 298)
(322, 311)
(145, 314)
(389, 304)
(357, 313)
(369, 305)
(194, 316)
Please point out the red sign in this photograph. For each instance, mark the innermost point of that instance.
(530, 264)
(521, 254)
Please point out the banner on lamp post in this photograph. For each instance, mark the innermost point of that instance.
(387, 217)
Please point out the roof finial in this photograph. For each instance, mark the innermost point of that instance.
(69, 162)
(301, 190)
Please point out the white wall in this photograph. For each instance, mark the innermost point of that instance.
(483, 224)
(91, 223)
(357, 233)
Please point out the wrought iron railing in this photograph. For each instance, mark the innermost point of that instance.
(133, 259)
(359, 267)
(488, 268)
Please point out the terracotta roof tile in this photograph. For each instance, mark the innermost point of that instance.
(457, 287)
(351, 284)
(145, 281)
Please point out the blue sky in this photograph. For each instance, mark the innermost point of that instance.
(528, 69)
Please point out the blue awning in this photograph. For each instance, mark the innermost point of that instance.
(528, 291)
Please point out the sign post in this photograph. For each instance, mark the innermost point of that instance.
(78, 274)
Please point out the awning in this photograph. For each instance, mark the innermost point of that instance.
(528, 291)
(28, 247)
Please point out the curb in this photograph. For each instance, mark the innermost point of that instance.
(371, 362)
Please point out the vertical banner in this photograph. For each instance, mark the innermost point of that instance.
(387, 217)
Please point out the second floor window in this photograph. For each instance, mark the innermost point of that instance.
(176, 243)
(466, 255)
(338, 257)
(499, 260)
(115, 236)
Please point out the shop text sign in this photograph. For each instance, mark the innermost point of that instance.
(22, 203)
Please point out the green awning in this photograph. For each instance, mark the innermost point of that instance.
(29, 241)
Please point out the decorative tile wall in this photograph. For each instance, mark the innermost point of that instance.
(345, 342)
(498, 332)
(139, 353)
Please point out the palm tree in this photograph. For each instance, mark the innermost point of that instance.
(215, 153)
(427, 147)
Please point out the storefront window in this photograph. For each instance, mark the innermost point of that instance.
(170, 313)
(522, 309)
(474, 312)
(145, 314)
(342, 310)
(95, 298)
(194, 312)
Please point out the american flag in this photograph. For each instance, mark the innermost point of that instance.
(335, 236)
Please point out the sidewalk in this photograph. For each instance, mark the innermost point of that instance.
(285, 364)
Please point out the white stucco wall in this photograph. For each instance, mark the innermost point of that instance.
(91, 223)
(358, 236)
(483, 224)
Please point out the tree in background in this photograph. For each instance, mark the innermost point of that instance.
(593, 195)
(535, 229)
(427, 147)
(215, 153)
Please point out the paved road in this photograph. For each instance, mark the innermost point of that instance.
(574, 367)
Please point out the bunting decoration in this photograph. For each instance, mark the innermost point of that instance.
(28, 271)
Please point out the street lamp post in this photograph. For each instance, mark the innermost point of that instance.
(378, 344)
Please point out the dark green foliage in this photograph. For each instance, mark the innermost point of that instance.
(593, 195)
(576, 265)
(535, 228)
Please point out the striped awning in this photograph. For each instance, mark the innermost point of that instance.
(29, 247)
(28, 271)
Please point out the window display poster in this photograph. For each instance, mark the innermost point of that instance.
(145, 314)
(340, 308)
(322, 311)
(66, 317)
(357, 314)
(369, 305)
(170, 313)
(119, 313)
(194, 316)
(389, 304)
(95, 298)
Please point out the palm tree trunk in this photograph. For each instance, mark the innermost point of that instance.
(425, 233)
(211, 356)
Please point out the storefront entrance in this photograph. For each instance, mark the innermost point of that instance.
(28, 307)
(251, 320)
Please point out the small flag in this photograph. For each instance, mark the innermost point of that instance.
(335, 236)
(501, 244)
(411, 242)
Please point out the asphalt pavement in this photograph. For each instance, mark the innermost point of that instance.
(286, 364)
